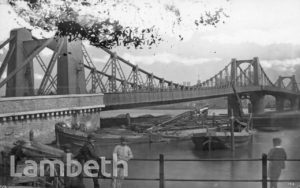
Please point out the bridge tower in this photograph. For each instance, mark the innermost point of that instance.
(254, 76)
(257, 99)
(22, 83)
(70, 69)
(280, 99)
(23, 48)
(232, 103)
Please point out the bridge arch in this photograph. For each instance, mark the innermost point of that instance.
(270, 102)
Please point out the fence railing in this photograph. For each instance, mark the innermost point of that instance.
(162, 174)
(264, 172)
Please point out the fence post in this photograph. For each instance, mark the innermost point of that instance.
(6, 173)
(264, 170)
(232, 131)
(2, 165)
(65, 175)
(161, 171)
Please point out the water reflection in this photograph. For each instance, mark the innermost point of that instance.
(261, 143)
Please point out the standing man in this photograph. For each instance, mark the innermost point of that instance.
(71, 182)
(88, 152)
(123, 153)
(277, 155)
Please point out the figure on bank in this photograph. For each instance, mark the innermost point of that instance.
(71, 182)
(277, 157)
(88, 152)
(123, 153)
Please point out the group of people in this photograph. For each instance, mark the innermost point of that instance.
(276, 155)
(88, 152)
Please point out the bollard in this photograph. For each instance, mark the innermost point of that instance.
(264, 170)
(161, 171)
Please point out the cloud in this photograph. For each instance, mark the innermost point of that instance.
(46, 52)
(100, 60)
(262, 22)
(257, 36)
(167, 58)
(38, 76)
(285, 65)
(281, 67)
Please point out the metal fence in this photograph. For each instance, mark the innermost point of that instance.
(162, 173)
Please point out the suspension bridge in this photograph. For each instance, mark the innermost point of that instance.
(78, 85)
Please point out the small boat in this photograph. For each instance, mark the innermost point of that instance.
(220, 137)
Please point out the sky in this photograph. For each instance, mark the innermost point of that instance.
(268, 29)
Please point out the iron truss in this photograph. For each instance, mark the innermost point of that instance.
(119, 75)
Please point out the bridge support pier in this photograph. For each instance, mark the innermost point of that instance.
(279, 103)
(295, 103)
(232, 104)
(22, 83)
(257, 101)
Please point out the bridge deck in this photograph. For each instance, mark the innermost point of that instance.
(17, 106)
(136, 99)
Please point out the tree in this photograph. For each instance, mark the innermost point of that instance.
(92, 20)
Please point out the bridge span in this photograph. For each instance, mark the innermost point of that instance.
(123, 84)
(140, 99)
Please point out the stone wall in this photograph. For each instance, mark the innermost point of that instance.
(42, 104)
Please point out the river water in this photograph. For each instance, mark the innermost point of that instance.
(260, 143)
